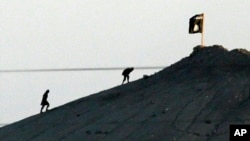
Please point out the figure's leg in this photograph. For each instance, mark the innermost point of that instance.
(128, 78)
(124, 79)
(47, 107)
(42, 109)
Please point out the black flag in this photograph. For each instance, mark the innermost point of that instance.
(196, 24)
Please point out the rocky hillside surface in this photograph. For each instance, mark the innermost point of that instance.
(195, 99)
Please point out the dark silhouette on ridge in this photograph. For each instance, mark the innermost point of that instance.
(126, 73)
(45, 101)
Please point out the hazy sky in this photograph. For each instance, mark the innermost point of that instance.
(101, 33)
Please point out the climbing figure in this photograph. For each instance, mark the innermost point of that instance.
(126, 73)
(44, 101)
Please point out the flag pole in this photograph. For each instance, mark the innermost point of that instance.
(202, 34)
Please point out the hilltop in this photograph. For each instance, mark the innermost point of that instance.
(195, 99)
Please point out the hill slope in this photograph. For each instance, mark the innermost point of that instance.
(195, 99)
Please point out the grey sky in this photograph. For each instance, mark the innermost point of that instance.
(98, 33)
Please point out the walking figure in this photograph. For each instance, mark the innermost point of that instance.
(44, 101)
(126, 73)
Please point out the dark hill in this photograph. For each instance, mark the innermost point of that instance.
(195, 99)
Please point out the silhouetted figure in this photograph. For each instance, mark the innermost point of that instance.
(126, 73)
(44, 101)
